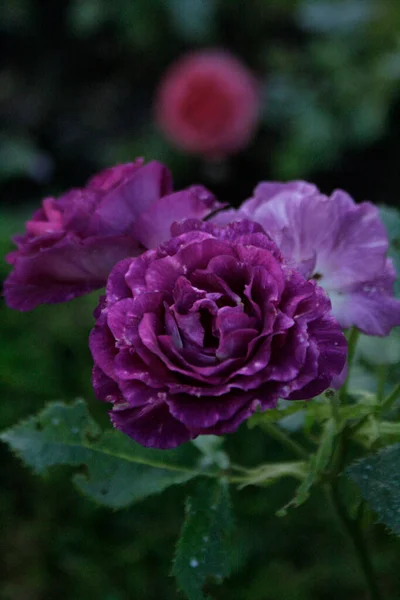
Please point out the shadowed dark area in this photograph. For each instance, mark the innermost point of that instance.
(77, 81)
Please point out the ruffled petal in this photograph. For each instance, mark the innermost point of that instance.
(154, 225)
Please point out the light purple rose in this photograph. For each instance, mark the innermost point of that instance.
(72, 243)
(340, 244)
(192, 337)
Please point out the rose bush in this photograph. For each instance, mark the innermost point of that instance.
(335, 241)
(72, 243)
(208, 103)
(193, 336)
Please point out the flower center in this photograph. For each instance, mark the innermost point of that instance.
(206, 106)
(206, 321)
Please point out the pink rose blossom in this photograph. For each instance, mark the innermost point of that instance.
(208, 103)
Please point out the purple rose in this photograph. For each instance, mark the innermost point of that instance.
(340, 244)
(193, 336)
(72, 243)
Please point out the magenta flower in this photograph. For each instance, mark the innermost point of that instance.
(193, 336)
(72, 243)
(208, 103)
(340, 244)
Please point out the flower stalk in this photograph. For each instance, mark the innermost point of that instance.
(280, 436)
(354, 531)
(351, 350)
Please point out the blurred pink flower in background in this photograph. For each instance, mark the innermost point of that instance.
(208, 103)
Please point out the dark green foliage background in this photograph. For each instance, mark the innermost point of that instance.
(76, 82)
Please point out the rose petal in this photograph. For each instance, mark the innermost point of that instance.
(154, 225)
(123, 205)
(372, 313)
(151, 425)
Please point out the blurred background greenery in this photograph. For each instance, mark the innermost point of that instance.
(77, 78)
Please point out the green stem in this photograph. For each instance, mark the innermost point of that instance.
(351, 349)
(382, 374)
(352, 343)
(391, 399)
(335, 403)
(354, 531)
(280, 436)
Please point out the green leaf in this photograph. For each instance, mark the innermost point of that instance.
(117, 471)
(378, 477)
(204, 549)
